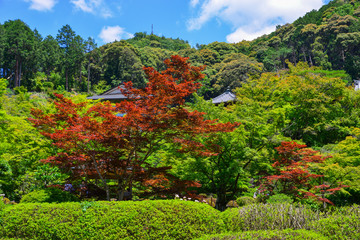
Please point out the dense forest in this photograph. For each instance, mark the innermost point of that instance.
(294, 84)
(327, 38)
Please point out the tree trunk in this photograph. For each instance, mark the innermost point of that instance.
(88, 80)
(107, 190)
(80, 75)
(20, 74)
(304, 55)
(121, 190)
(67, 80)
(16, 81)
(311, 63)
(221, 201)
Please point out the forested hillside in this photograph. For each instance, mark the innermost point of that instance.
(291, 85)
(327, 38)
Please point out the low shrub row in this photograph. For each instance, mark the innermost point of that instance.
(342, 223)
(268, 235)
(173, 219)
(49, 195)
(269, 217)
(110, 220)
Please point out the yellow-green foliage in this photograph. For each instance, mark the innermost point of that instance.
(342, 223)
(268, 216)
(111, 220)
(174, 219)
(243, 201)
(48, 195)
(268, 234)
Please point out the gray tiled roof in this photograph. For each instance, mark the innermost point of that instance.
(112, 94)
(227, 96)
(357, 84)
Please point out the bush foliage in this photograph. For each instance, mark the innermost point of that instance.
(280, 198)
(49, 195)
(111, 220)
(267, 235)
(243, 201)
(173, 219)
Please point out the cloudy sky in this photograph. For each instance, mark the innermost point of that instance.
(198, 21)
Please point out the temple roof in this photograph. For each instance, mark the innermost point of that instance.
(112, 94)
(356, 84)
(227, 96)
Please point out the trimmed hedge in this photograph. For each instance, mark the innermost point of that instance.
(245, 200)
(268, 235)
(343, 223)
(169, 219)
(279, 198)
(49, 195)
(268, 217)
(173, 219)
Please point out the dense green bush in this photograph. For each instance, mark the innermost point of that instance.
(111, 220)
(268, 234)
(49, 195)
(268, 217)
(2, 205)
(243, 201)
(279, 198)
(174, 219)
(342, 223)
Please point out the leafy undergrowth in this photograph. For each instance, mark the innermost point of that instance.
(174, 219)
(110, 220)
(268, 235)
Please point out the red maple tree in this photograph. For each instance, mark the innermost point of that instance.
(294, 175)
(97, 143)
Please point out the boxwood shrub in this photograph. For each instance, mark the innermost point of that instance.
(268, 217)
(49, 195)
(169, 219)
(342, 223)
(267, 235)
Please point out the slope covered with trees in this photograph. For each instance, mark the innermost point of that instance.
(291, 85)
(327, 37)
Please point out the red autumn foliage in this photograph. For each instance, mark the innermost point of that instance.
(96, 143)
(294, 176)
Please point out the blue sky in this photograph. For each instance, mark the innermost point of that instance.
(198, 21)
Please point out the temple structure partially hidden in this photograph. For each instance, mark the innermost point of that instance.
(112, 95)
(227, 98)
(356, 85)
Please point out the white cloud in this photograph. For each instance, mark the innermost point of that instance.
(249, 35)
(42, 5)
(93, 6)
(112, 33)
(194, 3)
(251, 19)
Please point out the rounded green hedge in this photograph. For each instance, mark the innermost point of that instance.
(268, 216)
(268, 234)
(49, 195)
(245, 200)
(279, 198)
(169, 219)
(342, 223)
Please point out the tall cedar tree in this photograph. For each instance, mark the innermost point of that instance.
(99, 144)
(294, 176)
